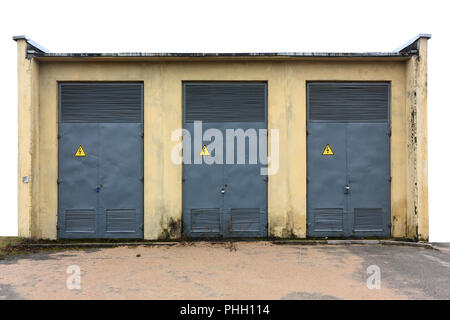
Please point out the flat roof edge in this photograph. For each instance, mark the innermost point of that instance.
(228, 55)
(405, 50)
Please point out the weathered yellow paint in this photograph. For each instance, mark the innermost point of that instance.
(28, 106)
(163, 114)
(417, 142)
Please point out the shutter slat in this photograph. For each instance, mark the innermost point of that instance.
(225, 102)
(348, 101)
(103, 103)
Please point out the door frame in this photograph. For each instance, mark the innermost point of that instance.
(266, 125)
(87, 83)
(389, 124)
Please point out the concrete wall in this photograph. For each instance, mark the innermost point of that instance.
(28, 158)
(163, 114)
(417, 142)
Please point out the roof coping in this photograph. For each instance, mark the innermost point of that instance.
(31, 43)
(406, 49)
(410, 45)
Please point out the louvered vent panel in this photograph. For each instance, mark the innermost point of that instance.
(225, 102)
(245, 220)
(121, 220)
(351, 102)
(102, 103)
(205, 220)
(80, 220)
(328, 219)
(368, 219)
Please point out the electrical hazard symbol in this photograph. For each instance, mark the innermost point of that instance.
(204, 151)
(327, 151)
(80, 152)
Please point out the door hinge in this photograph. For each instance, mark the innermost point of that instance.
(390, 132)
(58, 181)
(266, 179)
(142, 134)
(390, 179)
(59, 136)
(141, 178)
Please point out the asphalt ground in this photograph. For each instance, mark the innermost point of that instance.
(233, 270)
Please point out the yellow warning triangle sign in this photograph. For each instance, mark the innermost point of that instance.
(327, 151)
(204, 151)
(80, 152)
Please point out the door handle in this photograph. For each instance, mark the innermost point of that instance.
(222, 190)
(97, 189)
(347, 189)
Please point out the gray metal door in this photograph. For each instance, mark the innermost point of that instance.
(348, 159)
(227, 199)
(100, 192)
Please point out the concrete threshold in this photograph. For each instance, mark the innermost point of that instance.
(96, 244)
(358, 242)
(277, 242)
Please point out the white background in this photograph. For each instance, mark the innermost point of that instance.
(229, 26)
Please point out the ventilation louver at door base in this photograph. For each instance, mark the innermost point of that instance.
(368, 219)
(328, 219)
(80, 220)
(245, 220)
(205, 220)
(121, 220)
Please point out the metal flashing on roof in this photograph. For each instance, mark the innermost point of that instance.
(31, 43)
(244, 54)
(408, 46)
(405, 51)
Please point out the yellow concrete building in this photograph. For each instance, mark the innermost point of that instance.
(348, 133)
